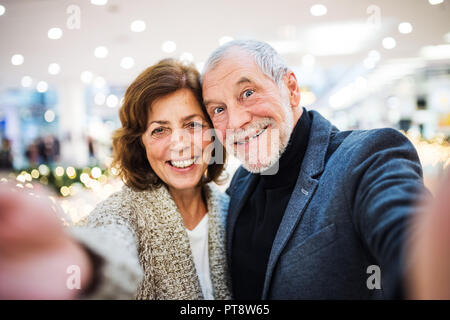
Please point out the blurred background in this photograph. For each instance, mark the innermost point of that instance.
(65, 66)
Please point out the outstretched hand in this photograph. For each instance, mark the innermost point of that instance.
(429, 251)
(35, 252)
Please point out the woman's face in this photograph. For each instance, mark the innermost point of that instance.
(178, 140)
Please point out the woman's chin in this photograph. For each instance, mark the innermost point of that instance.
(183, 185)
(183, 178)
(183, 182)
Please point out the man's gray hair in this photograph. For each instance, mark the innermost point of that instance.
(267, 59)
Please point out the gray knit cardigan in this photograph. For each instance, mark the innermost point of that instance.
(145, 250)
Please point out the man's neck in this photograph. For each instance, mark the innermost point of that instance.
(297, 113)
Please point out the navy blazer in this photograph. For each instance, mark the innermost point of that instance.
(348, 211)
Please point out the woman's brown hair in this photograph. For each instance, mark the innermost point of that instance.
(159, 80)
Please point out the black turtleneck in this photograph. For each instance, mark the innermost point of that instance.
(260, 217)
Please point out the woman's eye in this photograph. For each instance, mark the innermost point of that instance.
(158, 131)
(218, 110)
(247, 93)
(195, 125)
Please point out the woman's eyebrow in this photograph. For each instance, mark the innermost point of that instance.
(159, 122)
(187, 118)
(192, 116)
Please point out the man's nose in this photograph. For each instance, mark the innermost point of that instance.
(238, 117)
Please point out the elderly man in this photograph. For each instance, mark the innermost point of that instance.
(315, 212)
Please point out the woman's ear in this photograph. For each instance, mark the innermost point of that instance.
(291, 83)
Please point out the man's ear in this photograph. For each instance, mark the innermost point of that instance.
(293, 88)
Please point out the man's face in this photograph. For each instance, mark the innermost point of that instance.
(252, 116)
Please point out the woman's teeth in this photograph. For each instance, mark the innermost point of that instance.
(182, 163)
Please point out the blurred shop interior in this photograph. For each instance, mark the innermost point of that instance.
(65, 66)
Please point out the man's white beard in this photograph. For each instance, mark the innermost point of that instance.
(256, 163)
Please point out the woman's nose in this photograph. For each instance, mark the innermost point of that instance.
(180, 143)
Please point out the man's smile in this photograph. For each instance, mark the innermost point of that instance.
(252, 137)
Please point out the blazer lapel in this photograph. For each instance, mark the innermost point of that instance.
(312, 166)
(246, 186)
(303, 191)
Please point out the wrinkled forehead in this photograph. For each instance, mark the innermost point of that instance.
(233, 59)
(234, 64)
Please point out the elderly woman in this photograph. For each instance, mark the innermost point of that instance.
(161, 236)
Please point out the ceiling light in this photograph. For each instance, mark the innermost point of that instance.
(318, 10)
(127, 62)
(49, 116)
(112, 101)
(42, 86)
(436, 52)
(86, 77)
(99, 2)
(101, 52)
(17, 59)
(389, 43)
(169, 46)
(137, 26)
(225, 39)
(26, 81)
(434, 2)
(405, 27)
(2, 10)
(54, 68)
(54, 33)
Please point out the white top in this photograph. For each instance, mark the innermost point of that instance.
(198, 237)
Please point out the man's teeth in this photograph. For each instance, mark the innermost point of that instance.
(182, 163)
(252, 137)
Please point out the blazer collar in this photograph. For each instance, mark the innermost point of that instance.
(313, 165)
(246, 185)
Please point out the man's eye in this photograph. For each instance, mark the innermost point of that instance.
(247, 93)
(218, 110)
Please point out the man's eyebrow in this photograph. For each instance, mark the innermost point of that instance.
(238, 83)
(207, 102)
(243, 80)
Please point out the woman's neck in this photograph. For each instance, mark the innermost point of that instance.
(191, 205)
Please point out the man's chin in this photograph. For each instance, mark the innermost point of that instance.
(268, 167)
